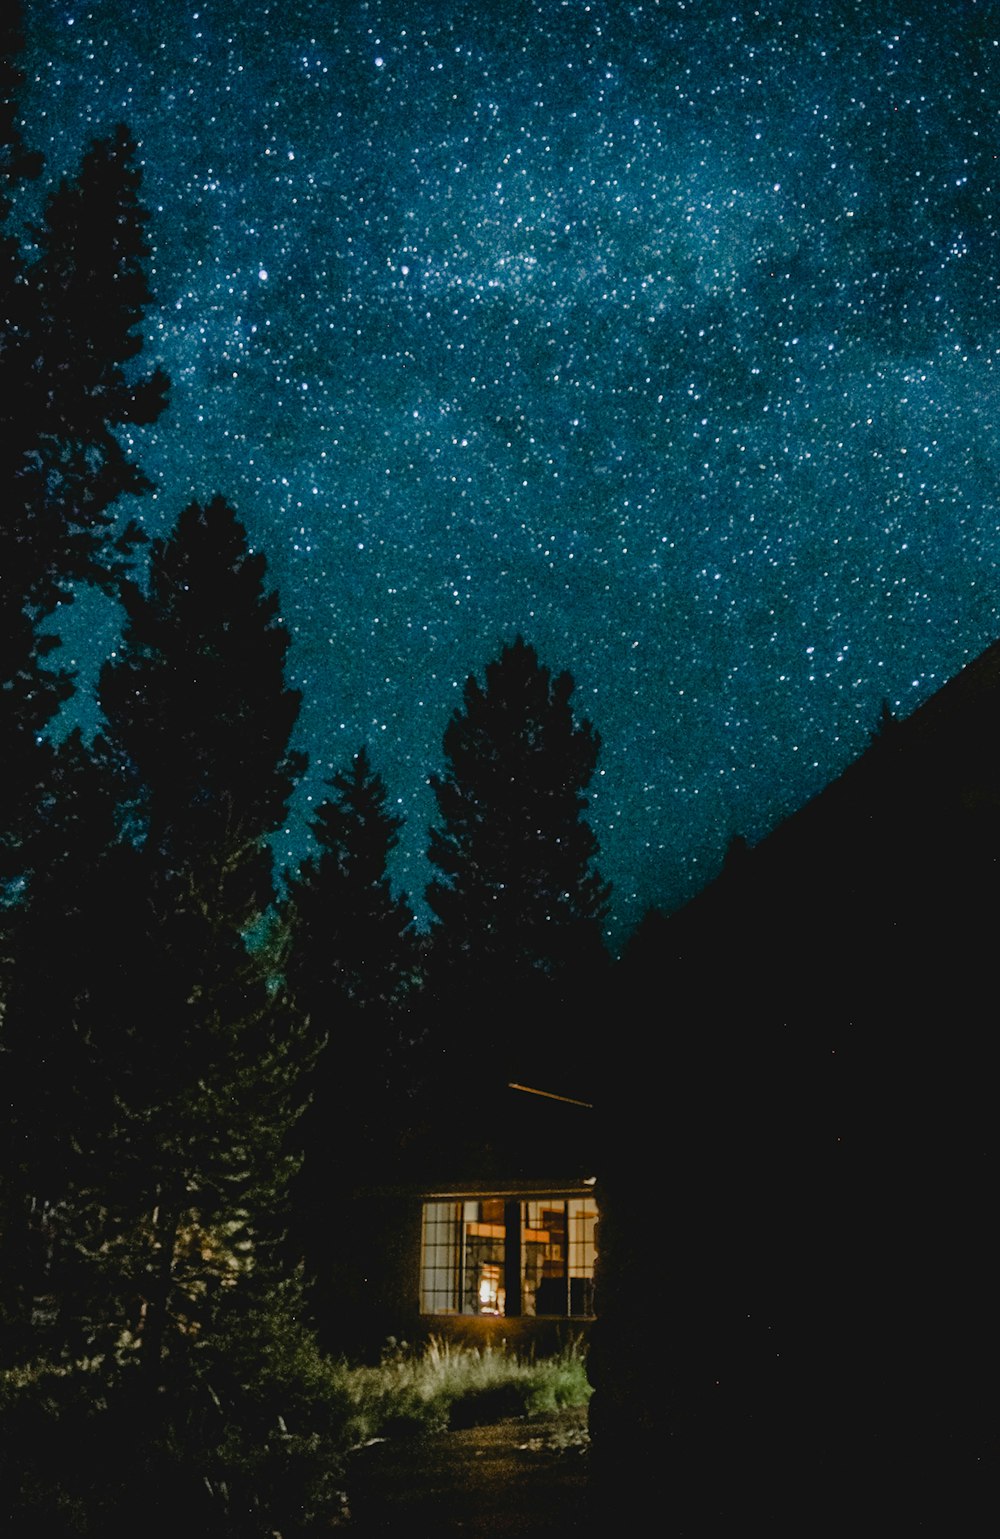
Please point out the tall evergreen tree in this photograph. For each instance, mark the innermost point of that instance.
(22, 713)
(161, 1039)
(200, 717)
(177, 1331)
(92, 295)
(200, 714)
(351, 951)
(53, 1100)
(70, 336)
(518, 902)
(70, 339)
(351, 964)
(17, 165)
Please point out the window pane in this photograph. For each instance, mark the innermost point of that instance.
(439, 1269)
(582, 1222)
(483, 1291)
(543, 1253)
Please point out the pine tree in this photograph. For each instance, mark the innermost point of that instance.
(54, 1099)
(886, 726)
(70, 330)
(519, 904)
(155, 1070)
(92, 295)
(199, 719)
(351, 945)
(70, 336)
(185, 1364)
(351, 969)
(17, 165)
(200, 714)
(18, 337)
(28, 696)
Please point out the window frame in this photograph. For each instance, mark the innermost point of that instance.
(507, 1277)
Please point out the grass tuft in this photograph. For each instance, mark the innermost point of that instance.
(417, 1390)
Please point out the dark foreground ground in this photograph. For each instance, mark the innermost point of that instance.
(517, 1479)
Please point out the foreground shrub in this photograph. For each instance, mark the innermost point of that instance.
(415, 1390)
(245, 1431)
(243, 1436)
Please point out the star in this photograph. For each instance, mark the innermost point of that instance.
(668, 340)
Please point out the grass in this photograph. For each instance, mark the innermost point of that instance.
(266, 1425)
(443, 1384)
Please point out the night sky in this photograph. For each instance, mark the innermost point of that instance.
(664, 334)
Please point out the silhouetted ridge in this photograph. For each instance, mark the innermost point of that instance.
(809, 1098)
(886, 870)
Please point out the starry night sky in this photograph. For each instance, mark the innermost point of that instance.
(664, 334)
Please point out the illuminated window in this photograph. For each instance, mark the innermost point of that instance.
(557, 1248)
(502, 1256)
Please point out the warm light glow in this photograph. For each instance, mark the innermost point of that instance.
(491, 1295)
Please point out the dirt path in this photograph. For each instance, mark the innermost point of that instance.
(517, 1479)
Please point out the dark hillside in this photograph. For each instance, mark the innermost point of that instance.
(807, 1128)
(878, 897)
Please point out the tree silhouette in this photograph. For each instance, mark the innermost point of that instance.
(199, 719)
(350, 940)
(885, 727)
(17, 165)
(70, 336)
(154, 1070)
(92, 295)
(351, 966)
(519, 906)
(200, 715)
(57, 1101)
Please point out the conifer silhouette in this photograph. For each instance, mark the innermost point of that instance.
(70, 378)
(199, 712)
(199, 720)
(57, 1099)
(92, 295)
(351, 969)
(351, 944)
(70, 339)
(518, 902)
(160, 1288)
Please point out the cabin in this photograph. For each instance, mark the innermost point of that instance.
(506, 1245)
(486, 1229)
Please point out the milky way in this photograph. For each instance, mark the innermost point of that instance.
(665, 335)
